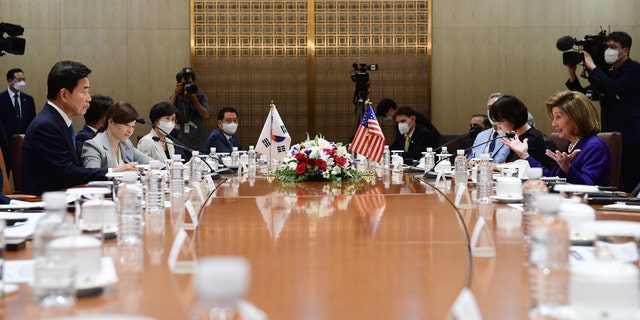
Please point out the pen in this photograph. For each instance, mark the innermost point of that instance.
(129, 158)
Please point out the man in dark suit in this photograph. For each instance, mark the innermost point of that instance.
(17, 109)
(413, 137)
(224, 138)
(93, 119)
(386, 109)
(49, 159)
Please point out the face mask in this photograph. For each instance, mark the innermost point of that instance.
(474, 131)
(388, 118)
(403, 127)
(166, 126)
(229, 128)
(20, 85)
(610, 56)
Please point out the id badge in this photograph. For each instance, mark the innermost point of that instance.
(187, 128)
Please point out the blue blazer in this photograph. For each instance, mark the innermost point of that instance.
(49, 159)
(420, 140)
(83, 135)
(8, 113)
(219, 140)
(591, 166)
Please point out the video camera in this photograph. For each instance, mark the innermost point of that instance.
(188, 86)
(11, 44)
(360, 76)
(595, 45)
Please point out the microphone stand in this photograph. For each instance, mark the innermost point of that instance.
(465, 135)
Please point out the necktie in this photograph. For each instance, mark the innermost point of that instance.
(492, 145)
(231, 142)
(407, 141)
(16, 105)
(72, 131)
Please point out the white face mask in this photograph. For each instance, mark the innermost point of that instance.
(19, 85)
(230, 128)
(388, 118)
(610, 56)
(403, 127)
(166, 126)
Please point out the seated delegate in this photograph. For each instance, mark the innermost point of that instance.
(510, 115)
(111, 147)
(163, 116)
(587, 159)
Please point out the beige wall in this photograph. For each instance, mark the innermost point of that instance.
(135, 47)
(485, 46)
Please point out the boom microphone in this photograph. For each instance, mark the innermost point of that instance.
(157, 139)
(509, 135)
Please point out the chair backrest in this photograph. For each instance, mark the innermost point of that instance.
(613, 141)
(446, 137)
(6, 184)
(16, 161)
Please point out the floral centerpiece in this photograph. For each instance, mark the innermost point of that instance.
(318, 160)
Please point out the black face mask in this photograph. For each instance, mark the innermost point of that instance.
(474, 131)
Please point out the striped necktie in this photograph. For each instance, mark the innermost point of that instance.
(16, 105)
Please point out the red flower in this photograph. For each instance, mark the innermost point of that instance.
(312, 162)
(321, 164)
(331, 151)
(301, 168)
(300, 157)
(341, 161)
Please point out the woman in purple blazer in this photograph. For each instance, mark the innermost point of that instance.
(587, 160)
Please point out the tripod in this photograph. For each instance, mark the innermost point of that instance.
(360, 96)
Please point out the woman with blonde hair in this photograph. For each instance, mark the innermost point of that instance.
(587, 159)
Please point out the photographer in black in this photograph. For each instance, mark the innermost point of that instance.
(193, 109)
(618, 90)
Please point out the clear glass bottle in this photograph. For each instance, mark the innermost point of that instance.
(485, 179)
(51, 273)
(155, 188)
(235, 156)
(251, 158)
(460, 167)
(130, 209)
(195, 168)
(386, 157)
(549, 257)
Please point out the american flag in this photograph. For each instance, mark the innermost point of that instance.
(369, 140)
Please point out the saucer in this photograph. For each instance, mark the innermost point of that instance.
(572, 313)
(9, 288)
(106, 277)
(501, 199)
(587, 231)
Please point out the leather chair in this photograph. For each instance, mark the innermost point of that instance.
(613, 141)
(454, 145)
(7, 188)
(16, 161)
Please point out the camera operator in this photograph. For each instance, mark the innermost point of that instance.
(619, 90)
(193, 109)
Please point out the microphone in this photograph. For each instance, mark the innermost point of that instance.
(565, 43)
(213, 172)
(509, 135)
(472, 130)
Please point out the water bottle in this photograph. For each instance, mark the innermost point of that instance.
(214, 159)
(155, 188)
(235, 156)
(530, 188)
(177, 180)
(195, 169)
(251, 158)
(130, 209)
(52, 274)
(460, 165)
(549, 257)
(386, 157)
(429, 160)
(485, 179)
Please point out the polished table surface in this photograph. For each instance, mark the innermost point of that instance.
(393, 247)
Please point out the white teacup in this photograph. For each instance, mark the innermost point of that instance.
(509, 187)
(85, 252)
(575, 214)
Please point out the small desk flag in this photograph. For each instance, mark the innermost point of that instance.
(274, 139)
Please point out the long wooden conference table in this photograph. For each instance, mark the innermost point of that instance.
(390, 247)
